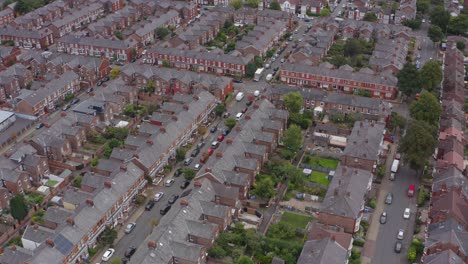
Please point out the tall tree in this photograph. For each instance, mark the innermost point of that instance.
(426, 109)
(396, 120)
(423, 6)
(114, 72)
(162, 32)
(252, 3)
(18, 207)
(245, 260)
(431, 75)
(293, 102)
(264, 188)
(230, 123)
(440, 17)
(220, 109)
(292, 138)
(418, 144)
(458, 25)
(237, 4)
(370, 16)
(274, 5)
(325, 12)
(409, 80)
(435, 33)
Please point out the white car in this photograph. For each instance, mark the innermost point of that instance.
(158, 196)
(108, 254)
(406, 214)
(129, 228)
(401, 234)
(197, 166)
(169, 183)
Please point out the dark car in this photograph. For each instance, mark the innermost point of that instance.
(149, 205)
(99, 83)
(245, 110)
(383, 218)
(237, 80)
(398, 247)
(195, 153)
(129, 253)
(276, 69)
(248, 103)
(124, 260)
(75, 101)
(166, 209)
(133, 60)
(40, 125)
(178, 172)
(89, 89)
(226, 132)
(119, 63)
(185, 184)
(213, 129)
(105, 79)
(173, 199)
(200, 145)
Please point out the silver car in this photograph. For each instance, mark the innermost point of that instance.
(389, 198)
(129, 228)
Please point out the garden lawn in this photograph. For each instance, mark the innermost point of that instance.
(323, 162)
(51, 183)
(320, 178)
(295, 220)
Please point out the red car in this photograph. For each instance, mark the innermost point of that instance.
(411, 190)
(220, 138)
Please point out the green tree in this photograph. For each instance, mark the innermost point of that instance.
(119, 133)
(458, 25)
(189, 173)
(411, 255)
(161, 32)
(409, 80)
(461, 45)
(252, 3)
(440, 17)
(245, 260)
(293, 102)
(370, 16)
(166, 64)
(18, 207)
(237, 4)
(250, 70)
(264, 188)
(413, 24)
(418, 144)
(435, 33)
(77, 181)
(426, 109)
(108, 236)
(114, 72)
(396, 121)
(220, 109)
(217, 251)
(115, 260)
(118, 35)
(352, 47)
(230, 123)
(292, 138)
(180, 154)
(431, 75)
(325, 12)
(274, 5)
(423, 6)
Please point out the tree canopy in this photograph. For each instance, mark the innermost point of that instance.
(114, 72)
(245, 260)
(162, 32)
(252, 3)
(264, 188)
(220, 109)
(423, 6)
(431, 75)
(18, 207)
(292, 138)
(325, 12)
(440, 17)
(458, 25)
(396, 121)
(370, 16)
(274, 5)
(237, 4)
(418, 144)
(409, 80)
(435, 33)
(293, 102)
(230, 123)
(426, 109)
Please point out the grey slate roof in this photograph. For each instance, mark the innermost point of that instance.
(364, 141)
(95, 181)
(98, 42)
(37, 234)
(450, 178)
(57, 215)
(444, 257)
(323, 251)
(345, 195)
(14, 254)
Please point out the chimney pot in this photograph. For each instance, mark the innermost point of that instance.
(207, 169)
(90, 201)
(184, 202)
(256, 106)
(229, 141)
(123, 167)
(174, 117)
(186, 107)
(247, 117)
(152, 244)
(70, 221)
(219, 154)
(162, 129)
(149, 141)
(197, 184)
(13, 248)
(50, 242)
(108, 184)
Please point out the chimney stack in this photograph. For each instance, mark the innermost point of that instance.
(256, 106)
(229, 141)
(186, 107)
(123, 167)
(196, 97)
(197, 184)
(136, 156)
(247, 117)
(108, 184)
(174, 117)
(162, 129)
(149, 141)
(207, 169)
(50, 242)
(151, 244)
(70, 221)
(90, 201)
(184, 202)
(219, 154)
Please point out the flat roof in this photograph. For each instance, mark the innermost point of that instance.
(4, 115)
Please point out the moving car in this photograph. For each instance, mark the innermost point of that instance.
(411, 190)
(383, 218)
(406, 213)
(185, 184)
(389, 198)
(149, 205)
(129, 228)
(129, 253)
(158, 196)
(166, 209)
(398, 247)
(173, 199)
(401, 234)
(169, 183)
(108, 254)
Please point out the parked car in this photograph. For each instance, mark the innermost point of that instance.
(129, 228)
(401, 234)
(173, 199)
(169, 183)
(406, 213)
(40, 125)
(214, 144)
(90, 89)
(106, 79)
(226, 132)
(129, 253)
(185, 184)
(108, 254)
(166, 209)
(99, 83)
(195, 152)
(282, 61)
(398, 246)
(220, 138)
(389, 198)
(383, 218)
(200, 145)
(158, 196)
(213, 129)
(178, 172)
(411, 190)
(197, 166)
(149, 205)
(237, 80)
(75, 101)
(188, 161)
(66, 107)
(245, 110)
(248, 103)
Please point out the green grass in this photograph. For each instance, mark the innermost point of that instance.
(51, 183)
(320, 178)
(322, 162)
(295, 220)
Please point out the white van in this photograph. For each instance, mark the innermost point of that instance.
(239, 116)
(239, 96)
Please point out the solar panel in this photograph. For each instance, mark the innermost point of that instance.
(63, 245)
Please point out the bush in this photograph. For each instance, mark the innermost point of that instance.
(411, 254)
(358, 243)
(140, 199)
(373, 204)
(16, 240)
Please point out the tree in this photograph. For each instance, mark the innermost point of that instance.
(264, 188)
(352, 47)
(230, 123)
(411, 255)
(166, 64)
(431, 75)
(189, 174)
(293, 102)
(18, 207)
(216, 251)
(440, 17)
(274, 5)
(292, 138)
(423, 5)
(370, 16)
(418, 144)
(118, 35)
(426, 109)
(114, 72)
(461, 45)
(409, 80)
(108, 236)
(250, 70)
(413, 24)
(435, 33)
(237, 4)
(180, 154)
(252, 3)
(458, 25)
(325, 12)
(115, 260)
(245, 260)
(162, 32)
(396, 121)
(220, 109)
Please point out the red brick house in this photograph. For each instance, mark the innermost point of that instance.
(37, 39)
(5, 197)
(15, 181)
